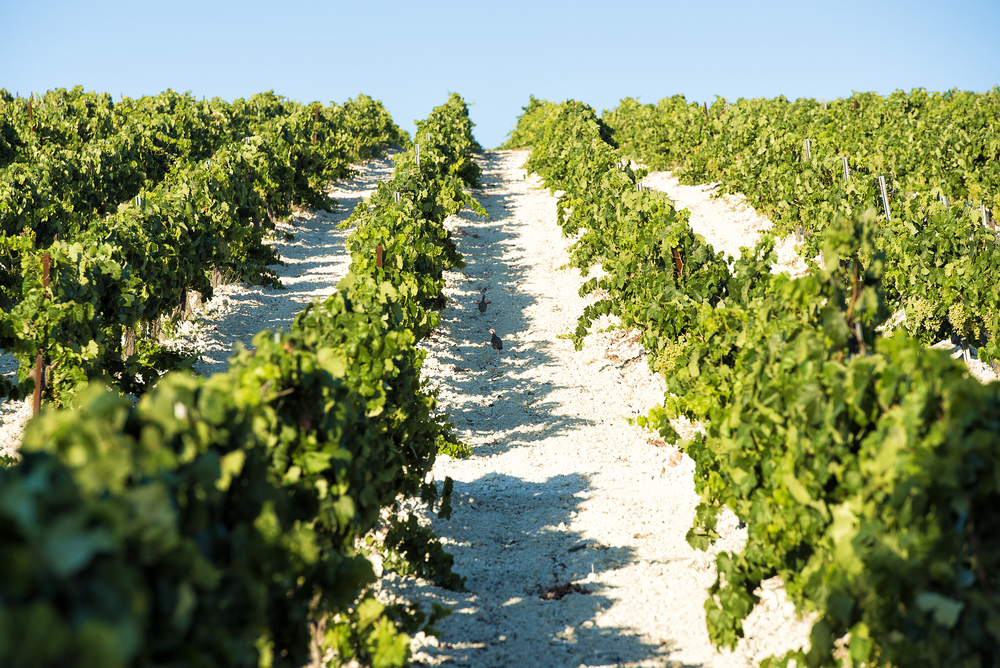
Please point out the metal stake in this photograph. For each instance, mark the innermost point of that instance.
(885, 198)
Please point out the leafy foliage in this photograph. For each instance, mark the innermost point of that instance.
(216, 523)
(934, 150)
(136, 203)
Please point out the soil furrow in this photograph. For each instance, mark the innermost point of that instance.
(569, 523)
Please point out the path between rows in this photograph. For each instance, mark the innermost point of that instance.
(560, 489)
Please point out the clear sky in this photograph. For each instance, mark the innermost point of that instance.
(411, 55)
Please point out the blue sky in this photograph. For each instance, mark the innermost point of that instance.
(411, 55)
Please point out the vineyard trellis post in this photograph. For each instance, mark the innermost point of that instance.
(885, 197)
(39, 358)
(987, 220)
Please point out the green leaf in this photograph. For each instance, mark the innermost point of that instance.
(945, 610)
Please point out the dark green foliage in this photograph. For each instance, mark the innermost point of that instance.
(217, 522)
(211, 178)
(164, 534)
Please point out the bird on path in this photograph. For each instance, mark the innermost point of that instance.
(482, 304)
(496, 342)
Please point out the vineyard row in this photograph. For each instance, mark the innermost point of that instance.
(221, 521)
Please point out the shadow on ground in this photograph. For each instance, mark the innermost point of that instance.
(314, 261)
(512, 613)
(509, 535)
(496, 392)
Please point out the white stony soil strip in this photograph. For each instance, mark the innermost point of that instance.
(13, 414)
(568, 522)
(315, 260)
(727, 222)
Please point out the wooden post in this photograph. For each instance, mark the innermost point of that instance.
(378, 256)
(706, 112)
(315, 121)
(36, 405)
(39, 358)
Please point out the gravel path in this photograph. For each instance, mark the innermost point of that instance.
(561, 495)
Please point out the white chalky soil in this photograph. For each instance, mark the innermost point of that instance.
(315, 260)
(561, 490)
